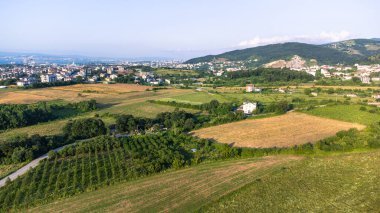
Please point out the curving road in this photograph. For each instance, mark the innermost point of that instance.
(26, 168)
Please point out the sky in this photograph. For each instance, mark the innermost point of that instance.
(178, 29)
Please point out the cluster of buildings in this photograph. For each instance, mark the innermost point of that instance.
(29, 74)
(218, 67)
(363, 72)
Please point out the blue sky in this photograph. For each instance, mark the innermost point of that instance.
(175, 28)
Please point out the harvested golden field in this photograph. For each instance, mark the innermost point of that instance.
(21, 98)
(103, 88)
(280, 131)
(102, 93)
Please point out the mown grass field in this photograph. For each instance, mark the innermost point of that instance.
(279, 131)
(178, 191)
(176, 72)
(197, 98)
(341, 183)
(335, 183)
(349, 113)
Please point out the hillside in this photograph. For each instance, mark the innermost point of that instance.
(360, 47)
(264, 185)
(268, 53)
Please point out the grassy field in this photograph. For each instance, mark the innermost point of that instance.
(7, 169)
(197, 98)
(143, 109)
(349, 113)
(280, 131)
(343, 183)
(179, 191)
(176, 72)
(337, 87)
(337, 183)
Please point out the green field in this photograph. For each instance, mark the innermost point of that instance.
(175, 72)
(340, 183)
(343, 183)
(349, 113)
(197, 98)
(143, 109)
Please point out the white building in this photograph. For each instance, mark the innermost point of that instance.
(22, 83)
(365, 79)
(248, 107)
(48, 78)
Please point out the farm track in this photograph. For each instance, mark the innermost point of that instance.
(23, 170)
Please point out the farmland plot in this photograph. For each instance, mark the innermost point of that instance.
(280, 131)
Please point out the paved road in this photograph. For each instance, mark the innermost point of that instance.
(26, 168)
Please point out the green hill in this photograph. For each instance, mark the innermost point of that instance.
(360, 47)
(337, 183)
(265, 54)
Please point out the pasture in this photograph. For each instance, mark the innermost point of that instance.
(279, 131)
(175, 72)
(349, 113)
(197, 98)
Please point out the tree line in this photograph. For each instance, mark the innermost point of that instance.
(21, 115)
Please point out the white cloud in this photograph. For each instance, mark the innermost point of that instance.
(323, 37)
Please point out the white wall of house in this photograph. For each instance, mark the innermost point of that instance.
(249, 107)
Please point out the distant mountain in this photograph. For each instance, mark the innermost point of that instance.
(347, 52)
(265, 54)
(361, 47)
